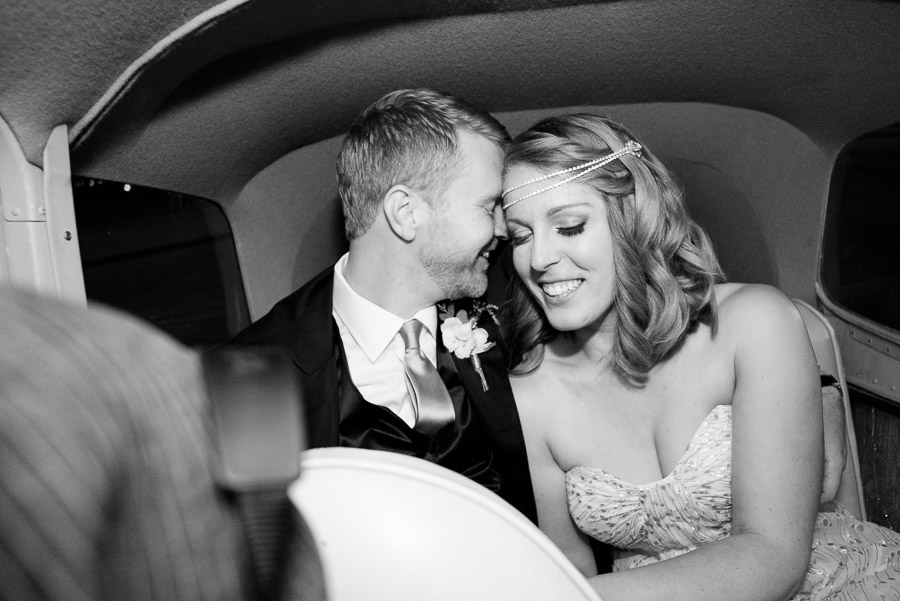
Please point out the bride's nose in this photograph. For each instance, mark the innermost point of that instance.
(544, 252)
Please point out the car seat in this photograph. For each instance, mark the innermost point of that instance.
(390, 527)
(828, 354)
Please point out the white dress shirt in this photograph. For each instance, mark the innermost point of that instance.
(374, 348)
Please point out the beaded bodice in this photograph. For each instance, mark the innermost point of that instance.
(850, 560)
(661, 519)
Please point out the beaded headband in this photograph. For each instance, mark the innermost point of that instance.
(631, 147)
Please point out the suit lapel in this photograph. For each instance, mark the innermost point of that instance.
(497, 412)
(316, 356)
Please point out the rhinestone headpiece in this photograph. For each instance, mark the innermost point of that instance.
(631, 147)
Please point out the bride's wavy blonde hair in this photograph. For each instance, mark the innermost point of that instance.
(665, 263)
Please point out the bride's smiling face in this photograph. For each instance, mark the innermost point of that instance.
(563, 251)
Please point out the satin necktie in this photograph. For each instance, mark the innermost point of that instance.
(431, 401)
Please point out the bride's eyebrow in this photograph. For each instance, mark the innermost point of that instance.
(553, 211)
(575, 205)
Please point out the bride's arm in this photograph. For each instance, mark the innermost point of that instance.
(776, 466)
(549, 482)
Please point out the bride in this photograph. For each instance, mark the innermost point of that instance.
(666, 412)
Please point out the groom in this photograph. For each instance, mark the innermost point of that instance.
(419, 176)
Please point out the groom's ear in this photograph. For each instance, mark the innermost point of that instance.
(400, 206)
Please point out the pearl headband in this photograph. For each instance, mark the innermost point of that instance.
(631, 147)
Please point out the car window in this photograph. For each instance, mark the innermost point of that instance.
(166, 257)
(860, 267)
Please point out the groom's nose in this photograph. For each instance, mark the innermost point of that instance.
(500, 230)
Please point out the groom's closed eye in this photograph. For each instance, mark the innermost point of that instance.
(519, 237)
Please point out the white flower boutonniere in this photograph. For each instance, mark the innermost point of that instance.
(463, 337)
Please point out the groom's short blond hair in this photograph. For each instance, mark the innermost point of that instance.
(406, 137)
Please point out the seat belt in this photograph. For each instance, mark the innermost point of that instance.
(255, 405)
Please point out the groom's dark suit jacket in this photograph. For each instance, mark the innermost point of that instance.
(485, 442)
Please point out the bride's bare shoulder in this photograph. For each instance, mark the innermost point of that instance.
(755, 306)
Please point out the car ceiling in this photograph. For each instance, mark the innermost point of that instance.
(199, 96)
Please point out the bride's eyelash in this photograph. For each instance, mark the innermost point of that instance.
(573, 230)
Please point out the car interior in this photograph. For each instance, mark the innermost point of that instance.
(174, 159)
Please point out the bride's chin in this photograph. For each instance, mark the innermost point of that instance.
(560, 320)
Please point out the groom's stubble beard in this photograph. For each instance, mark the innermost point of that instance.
(457, 272)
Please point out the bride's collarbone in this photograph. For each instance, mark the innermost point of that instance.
(648, 425)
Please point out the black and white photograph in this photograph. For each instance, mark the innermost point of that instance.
(443, 300)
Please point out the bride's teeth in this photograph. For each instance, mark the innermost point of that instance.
(560, 288)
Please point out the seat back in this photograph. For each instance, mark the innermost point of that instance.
(828, 354)
(391, 527)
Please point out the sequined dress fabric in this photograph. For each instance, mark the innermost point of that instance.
(851, 559)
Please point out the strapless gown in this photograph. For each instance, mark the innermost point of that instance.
(851, 559)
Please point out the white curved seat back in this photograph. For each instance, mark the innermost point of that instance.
(828, 354)
(391, 528)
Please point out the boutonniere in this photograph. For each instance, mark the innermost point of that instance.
(463, 337)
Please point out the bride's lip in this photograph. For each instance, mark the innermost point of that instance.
(561, 288)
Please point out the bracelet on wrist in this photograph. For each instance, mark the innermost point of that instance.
(829, 380)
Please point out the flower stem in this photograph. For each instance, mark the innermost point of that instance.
(476, 363)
